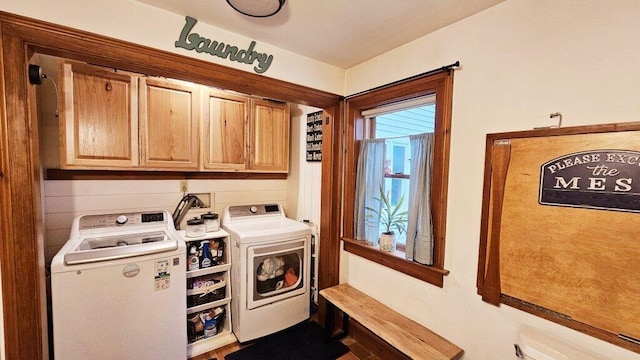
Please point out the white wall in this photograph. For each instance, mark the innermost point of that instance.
(305, 183)
(143, 24)
(64, 200)
(521, 61)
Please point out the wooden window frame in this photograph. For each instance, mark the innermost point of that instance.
(440, 83)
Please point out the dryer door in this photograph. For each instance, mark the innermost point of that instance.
(276, 271)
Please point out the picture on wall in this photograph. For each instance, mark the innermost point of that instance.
(314, 136)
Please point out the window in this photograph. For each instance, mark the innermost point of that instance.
(395, 124)
(367, 117)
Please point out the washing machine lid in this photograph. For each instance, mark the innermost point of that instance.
(103, 237)
(265, 230)
(261, 222)
(102, 248)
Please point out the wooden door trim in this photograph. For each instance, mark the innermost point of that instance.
(21, 247)
(330, 202)
(23, 290)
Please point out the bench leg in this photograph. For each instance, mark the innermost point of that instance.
(345, 324)
(329, 324)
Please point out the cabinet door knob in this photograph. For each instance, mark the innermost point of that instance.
(108, 87)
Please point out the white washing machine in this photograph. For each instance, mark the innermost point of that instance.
(118, 289)
(270, 269)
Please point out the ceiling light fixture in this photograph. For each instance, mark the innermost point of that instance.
(257, 8)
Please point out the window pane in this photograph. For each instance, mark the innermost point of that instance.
(406, 122)
(398, 188)
(396, 126)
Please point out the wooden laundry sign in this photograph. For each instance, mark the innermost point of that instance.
(597, 179)
(193, 41)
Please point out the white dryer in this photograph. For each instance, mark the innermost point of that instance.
(270, 271)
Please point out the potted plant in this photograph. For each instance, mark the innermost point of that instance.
(390, 217)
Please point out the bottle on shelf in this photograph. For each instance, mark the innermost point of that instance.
(193, 262)
(217, 252)
(206, 260)
(210, 325)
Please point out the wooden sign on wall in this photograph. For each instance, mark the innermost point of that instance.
(559, 227)
(607, 179)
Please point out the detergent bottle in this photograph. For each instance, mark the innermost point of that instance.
(210, 326)
(206, 260)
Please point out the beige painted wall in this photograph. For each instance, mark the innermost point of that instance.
(140, 23)
(520, 61)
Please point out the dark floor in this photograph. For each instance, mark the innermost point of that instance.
(357, 352)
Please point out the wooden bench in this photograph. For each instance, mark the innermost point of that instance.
(404, 334)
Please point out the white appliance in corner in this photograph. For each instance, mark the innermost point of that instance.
(533, 344)
(270, 272)
(119, 289)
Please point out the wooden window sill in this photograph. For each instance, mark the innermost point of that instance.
(396, 261)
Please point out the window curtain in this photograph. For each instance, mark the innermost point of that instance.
(419, 245)
(370, 174)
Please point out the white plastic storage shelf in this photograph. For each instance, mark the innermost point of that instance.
(209, 292)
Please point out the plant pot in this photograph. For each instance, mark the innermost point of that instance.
(387, 242)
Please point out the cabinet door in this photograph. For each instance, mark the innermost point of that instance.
(169, 118)
(225, 131)
(98, 118)
(269, 132)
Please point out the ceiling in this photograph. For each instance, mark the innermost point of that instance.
(342, 33)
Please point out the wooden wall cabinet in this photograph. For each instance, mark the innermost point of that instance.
(169, 120)
(225, 130)
(98, 117)
(241, 133)
(117, 120)
(269, 136)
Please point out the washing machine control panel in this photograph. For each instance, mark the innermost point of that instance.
(103, 221)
